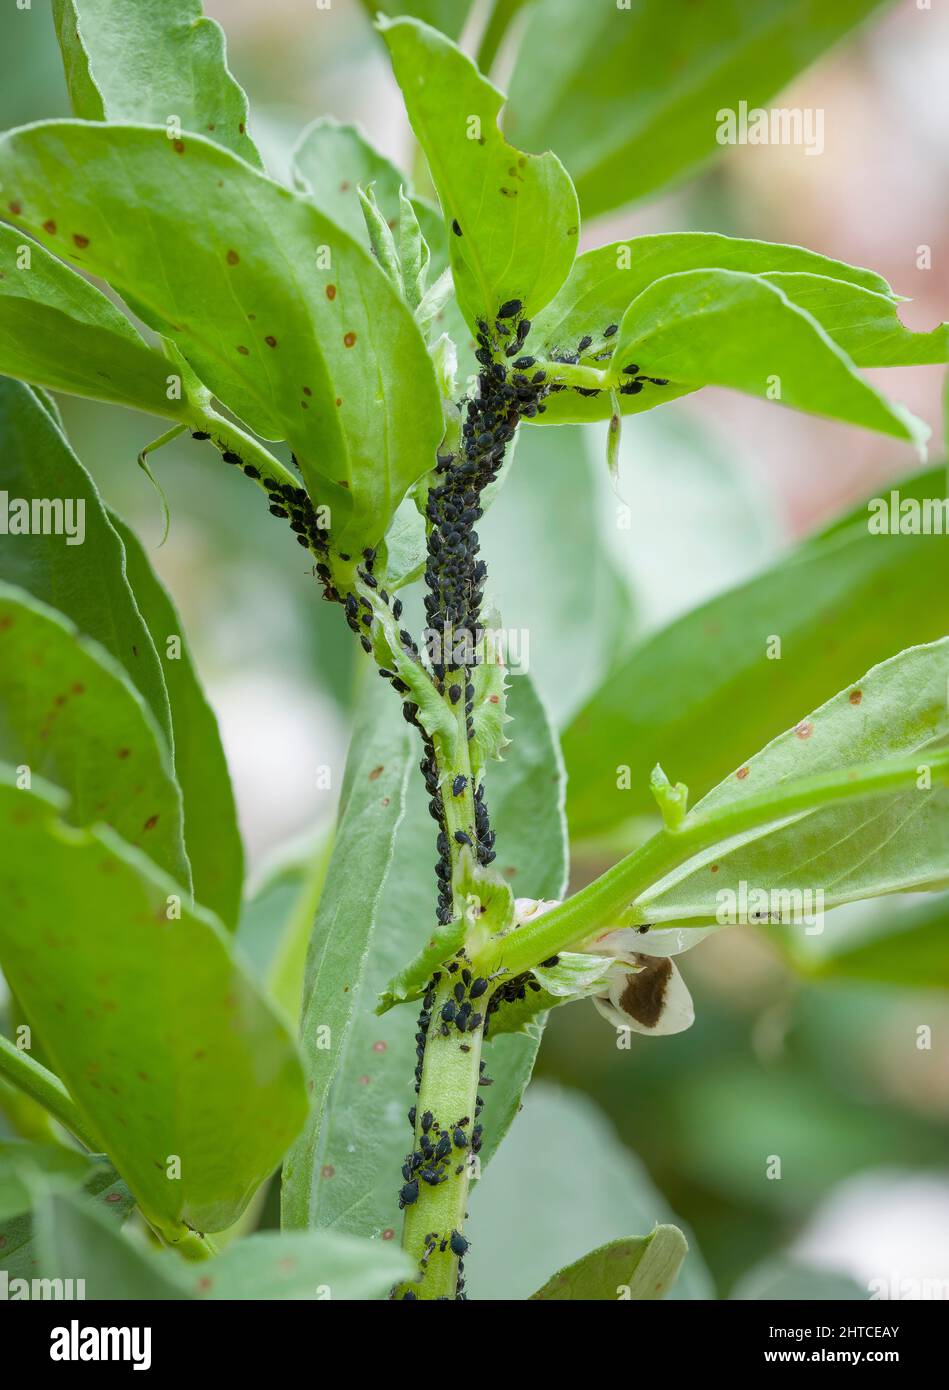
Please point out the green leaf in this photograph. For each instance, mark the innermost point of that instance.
(517, 214)
(353, 1167)
(276, 308)
(70, 714)
(59, 331)
(103, 1189)
(728, 328)
(897, 945)
(212, 838)
(277, 918)
(372, 804)
(630, 98)
(126, 61)
(86, 582)
(865, 324)
(533, 567)
(886, 845)
(76, 1241)
(640, 1268)
(95, 952)
(595, 1187)
(447, 15)
(26, 1169)
(784, 1280)
(302, 1265)
(701, 692)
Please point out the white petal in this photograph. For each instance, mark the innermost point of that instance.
(526, 909)
(624, 942)
(651, 999)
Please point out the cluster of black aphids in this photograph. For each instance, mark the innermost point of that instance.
(515, 989)
(628, 388)
(459, 1247)
(292, 503)
(458, 1014)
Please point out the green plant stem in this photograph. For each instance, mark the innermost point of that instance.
(451, 1066)
(228, 435)
(43, 1086)
(602, 903)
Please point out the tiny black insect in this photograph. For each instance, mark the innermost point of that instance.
(230, 457)
(509, 308)
(412, 1117)
(366, 644)
(610, 329)
(455, 227)
(459, 784)
(458, 1244)
(584, 343)
(448, 1010)
(459, 1139)
(523, 363)
(462, 838)
(478, 988)
(250, 471)
(409, 1193)
(631, 370)
(200, 434)
(454, 693)
(428, 1119)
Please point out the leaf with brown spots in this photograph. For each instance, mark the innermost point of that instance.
(65, 707)
(126, 61)
(133, 197)
(58, 331)
(100, 967)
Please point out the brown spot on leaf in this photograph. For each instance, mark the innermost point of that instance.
(645, 993)
(16, 208)
(339, 400)
(379, 1046)
(856, 696)
(388, 1233)
(78, 688)
(804, 729)
(81, 241)
(327, 1171)
(232, 257)
(742, 773)
(270, 340)
(307, 391)
(330, 291)
(178, 146)
(242, 128)
(49, 226)
(122, 752)
(151, 822)
(243, 350)
(376, 773)
(348, 339)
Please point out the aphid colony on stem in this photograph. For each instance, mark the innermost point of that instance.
(458, 1005)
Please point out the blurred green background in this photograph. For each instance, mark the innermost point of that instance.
(826, 1075)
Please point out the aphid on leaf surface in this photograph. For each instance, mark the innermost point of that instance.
(455, 227)
(412, 1117)
(409, 1193)
(478, 988)
(200, 434)
(230, 457)
(459, 784)
(631, 370)
(448, 1010)
(459, 1245)
(523, 363)
(459, 991)
(462, 838)
(250, 471)
(459, 1139)
(454, 693)
(509, 308)
(610, 330)
(584, 343)
(428, 1119)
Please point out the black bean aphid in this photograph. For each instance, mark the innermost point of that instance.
(200, 434)
(455, 227)
(458, 1243)
(428, 1119)
(631, 370)
(584, 343)
(610, 330)
(459, 784)
(230, 457)
(462, 837)
(509, 308)
(408, 1194)
(478, 988)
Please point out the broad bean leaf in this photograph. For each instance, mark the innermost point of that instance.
(631, 96)
(728, 328)
(513, 217)
(888, 844)
(155, 63)
(641, 1268)
(302, 1265)
(698, 694)
(70, 714)
(897, 945)
(212, 837)
(447, 15)
(277, 919)
(290, 322)
(596, 1187)
(102, 1188)
(533, 564)
(29, 1168)
(855, 307)
(76, 1240)
(102, 949)
(363, 1140)
(59, 331)
(86, 582)
(785, 1280)
(372, 804)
